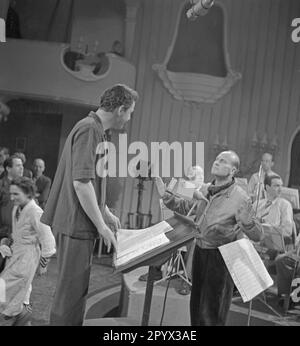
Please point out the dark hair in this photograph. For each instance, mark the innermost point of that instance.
(9, 161)
(269, 177)
(266, 153)
(26, 185)
(21, 156)
(117, 96)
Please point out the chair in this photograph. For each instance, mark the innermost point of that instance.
(289, 242)
(277, 242)
(292, 195)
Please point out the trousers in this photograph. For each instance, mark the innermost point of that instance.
(74, 260)
(212, 288)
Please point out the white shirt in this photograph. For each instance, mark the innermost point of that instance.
(28, 229)
(278, 213)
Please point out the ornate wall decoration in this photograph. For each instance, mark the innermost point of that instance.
(85, 66)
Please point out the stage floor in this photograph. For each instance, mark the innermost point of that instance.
(265, 309)
(104, 293)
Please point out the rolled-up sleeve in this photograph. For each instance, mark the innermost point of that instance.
(84, 153)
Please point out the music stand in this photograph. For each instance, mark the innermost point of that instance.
(181, 234)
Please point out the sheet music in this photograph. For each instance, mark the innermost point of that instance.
(246, 268)
(142, 248)
(172, 184)
(132, 243)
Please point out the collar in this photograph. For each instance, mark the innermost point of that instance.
(98, 121)
(266, 202)
(274, 200)
(37, 178)
(213, 189)
(18, 210)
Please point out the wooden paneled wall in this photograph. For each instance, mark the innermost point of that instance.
(265, 100)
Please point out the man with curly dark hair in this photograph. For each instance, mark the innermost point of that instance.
(76, 208)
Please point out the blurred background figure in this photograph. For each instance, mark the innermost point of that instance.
(42, 182)
(13, 169)
(26, 172)
(195, 175)
(4, 154)
(266, 164)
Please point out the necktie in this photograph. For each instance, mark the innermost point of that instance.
(268, 203)
(265, 212)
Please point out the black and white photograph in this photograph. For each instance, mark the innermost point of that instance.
(149, 166)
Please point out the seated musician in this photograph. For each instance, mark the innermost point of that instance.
(275, 212)
(287, 267)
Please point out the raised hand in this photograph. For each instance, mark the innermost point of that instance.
(198, 195)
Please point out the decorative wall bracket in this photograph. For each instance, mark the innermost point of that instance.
(87, 67)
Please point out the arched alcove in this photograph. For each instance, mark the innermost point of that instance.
(197, 67)
(199, 45)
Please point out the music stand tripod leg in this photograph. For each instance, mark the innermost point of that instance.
(148, 296)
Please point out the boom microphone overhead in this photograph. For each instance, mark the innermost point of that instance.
(199, 8)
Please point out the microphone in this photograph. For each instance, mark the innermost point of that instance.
(199, 8)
